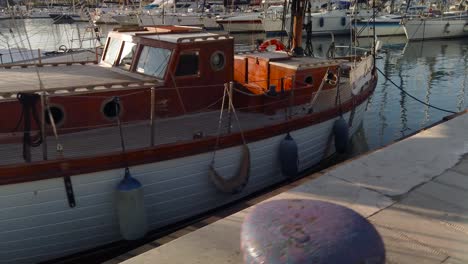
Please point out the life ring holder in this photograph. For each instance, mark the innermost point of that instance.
(272, 42)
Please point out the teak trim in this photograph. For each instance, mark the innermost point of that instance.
(17, 173)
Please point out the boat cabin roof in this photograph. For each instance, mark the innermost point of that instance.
(74, 78)
(178, 38)
(170, 34)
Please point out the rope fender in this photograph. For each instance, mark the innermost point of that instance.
(236, 183)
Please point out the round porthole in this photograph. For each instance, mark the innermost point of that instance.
(111, 109)
(217, 61)
(309, 80)
(57, 115)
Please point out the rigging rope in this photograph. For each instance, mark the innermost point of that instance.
(418, 100)
(309, 50)
(220, 121)
(28, 103)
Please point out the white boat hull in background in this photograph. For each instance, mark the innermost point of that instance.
(249, 23)
(383, 27)
(421, 29)
(325, 23)
(104, 19)
(336, 22)
(206, 21)
(126, 20)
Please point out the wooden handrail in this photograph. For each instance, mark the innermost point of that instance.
(85, 88)
(26, 65)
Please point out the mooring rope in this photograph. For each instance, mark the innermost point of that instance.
(418, 100)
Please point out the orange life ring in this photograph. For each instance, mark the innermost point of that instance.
(272, 42)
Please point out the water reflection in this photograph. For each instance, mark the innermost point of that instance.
(403, 110)
(433, 71)
(358, 142)
(43, 34)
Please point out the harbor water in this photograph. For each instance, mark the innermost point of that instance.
(435, 72)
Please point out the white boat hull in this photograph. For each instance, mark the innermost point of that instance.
(421, 29)
(126, 20)
(322, 23)
(364, 29)
(104, 19)
(39, 16)
(207, 22)
(325, 24)
(37, 224)
(242, 24)
(273, 25)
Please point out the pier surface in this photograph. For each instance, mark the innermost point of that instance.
(414, 192)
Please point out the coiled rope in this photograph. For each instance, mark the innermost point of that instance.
(422, 102)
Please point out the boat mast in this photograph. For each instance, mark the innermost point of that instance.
(375, 38)
(297, 15)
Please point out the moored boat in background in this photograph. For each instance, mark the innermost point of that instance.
(452, 26)
(386, 25)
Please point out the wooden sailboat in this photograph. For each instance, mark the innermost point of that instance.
(201, 126)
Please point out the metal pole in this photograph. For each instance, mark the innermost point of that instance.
(97, 55)
(375, 42)
(9, 51)
(43, 130)
(39, 56)
(291, 99)
(152, 116)
(229, 86)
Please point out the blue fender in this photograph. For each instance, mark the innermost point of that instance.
(341, 134)
(288, 154)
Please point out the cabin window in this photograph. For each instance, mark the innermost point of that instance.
(128, 52)
(309, 80)
(188, 64)
(153, 61)
(217, 61)
(112, 52)
(57, 114)
(111, 109)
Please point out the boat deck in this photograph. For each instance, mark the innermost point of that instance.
(136, 135)
(414, 192)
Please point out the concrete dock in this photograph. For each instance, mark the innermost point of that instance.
(415, 192)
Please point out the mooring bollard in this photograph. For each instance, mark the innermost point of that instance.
(309, 231)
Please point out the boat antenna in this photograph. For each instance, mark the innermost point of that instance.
(297, 16)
